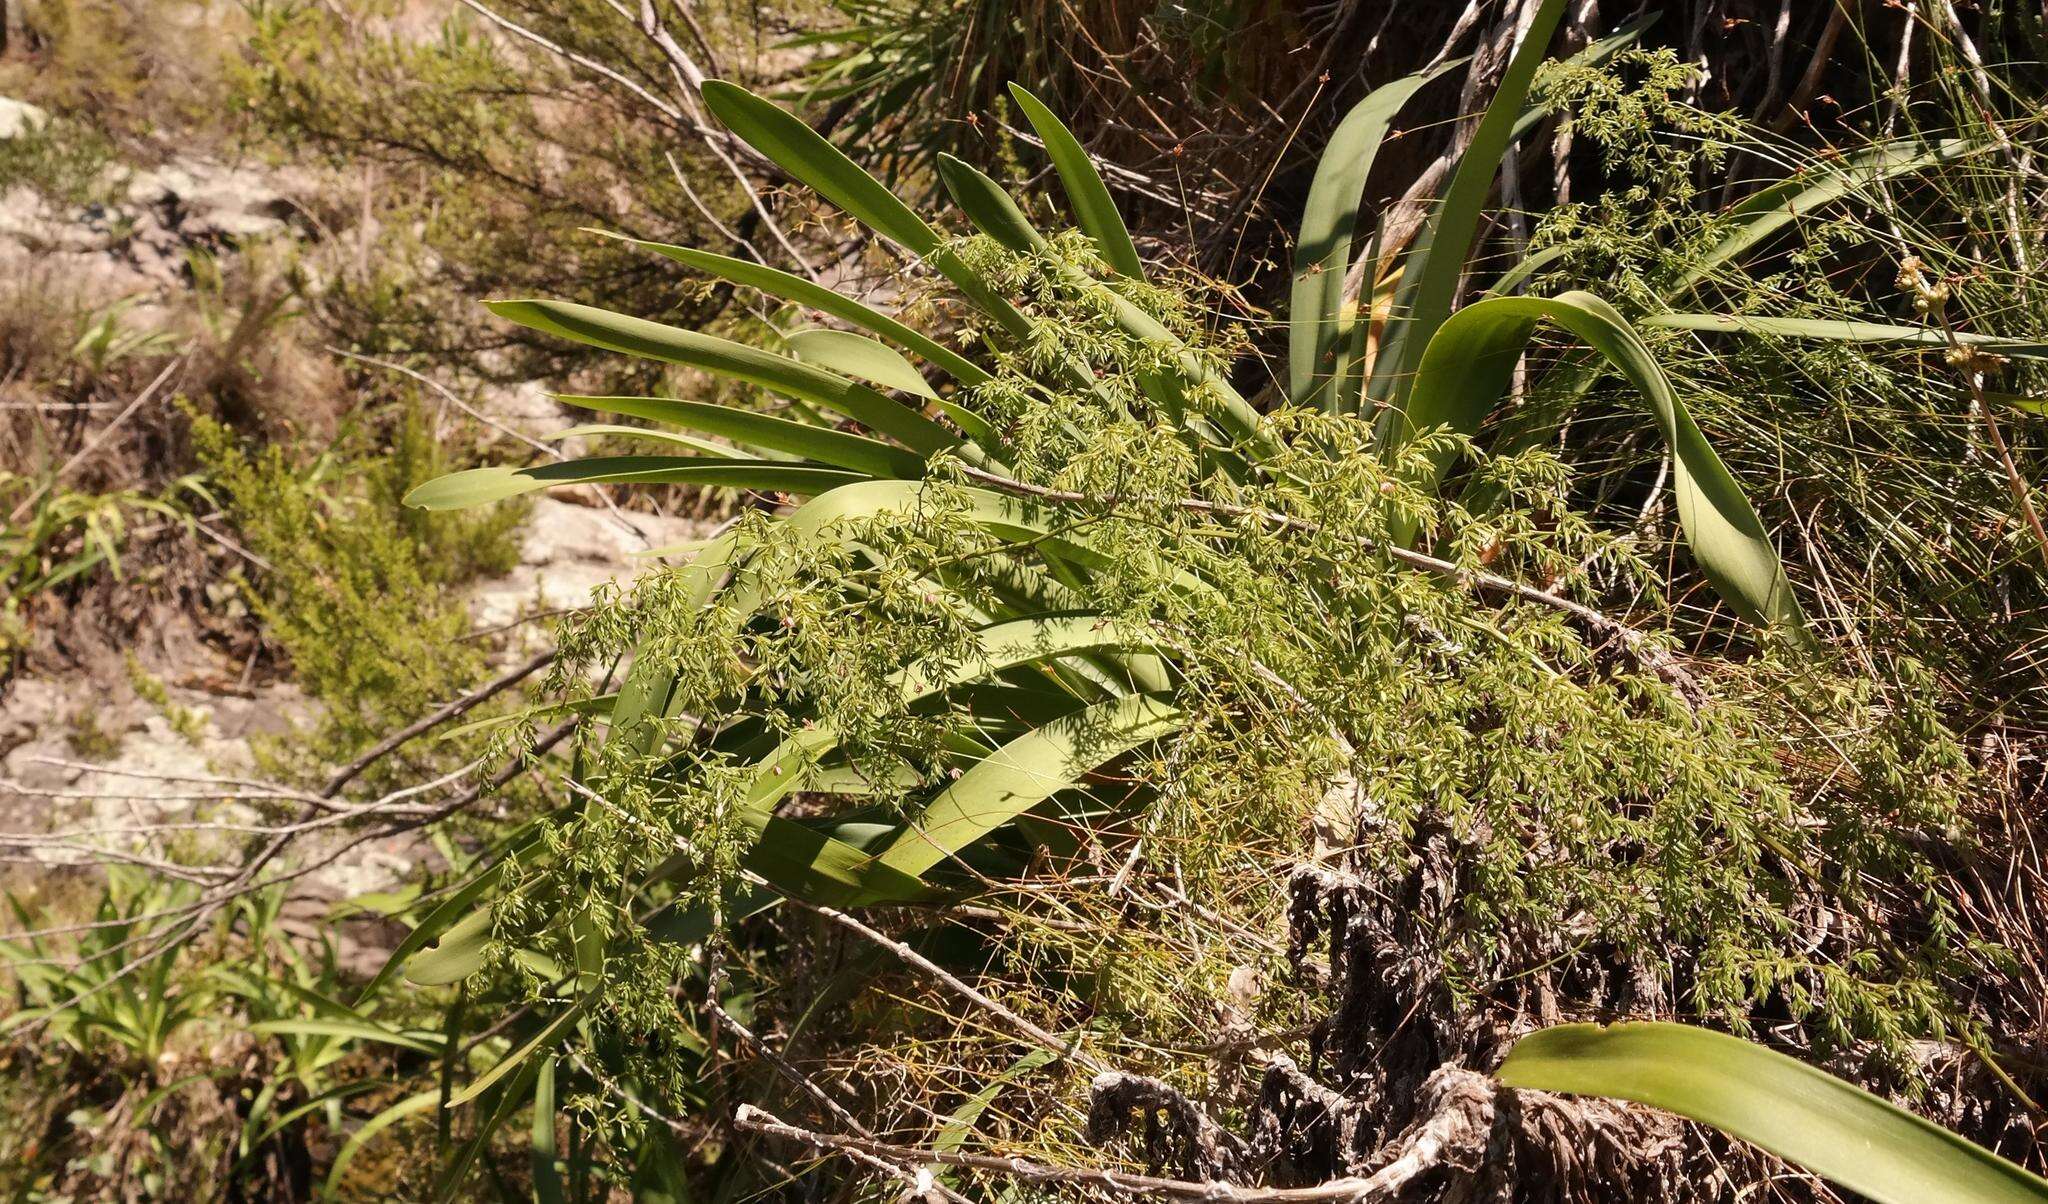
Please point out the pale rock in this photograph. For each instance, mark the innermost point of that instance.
(18, 117)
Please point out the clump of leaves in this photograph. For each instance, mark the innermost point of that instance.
(1066, 613)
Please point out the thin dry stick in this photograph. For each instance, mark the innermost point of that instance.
(1020, 1025)
(448, 395)
(458, 707)
(1425, 1150)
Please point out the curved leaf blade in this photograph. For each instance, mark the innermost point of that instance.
(1437, 264)
(799, 150)
(793, 378)
(1795, 1111)
(1094, 212)
(860, 358)
(1844, 331)
(478, 486)
(821, 444)
(803, 292)
(1464, 374)
(1024, 773)
(993, 210)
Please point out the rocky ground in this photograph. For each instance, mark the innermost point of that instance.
(87, 752)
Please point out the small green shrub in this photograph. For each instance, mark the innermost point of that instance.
(357, 592)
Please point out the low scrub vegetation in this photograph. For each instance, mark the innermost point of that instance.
(1389, 635)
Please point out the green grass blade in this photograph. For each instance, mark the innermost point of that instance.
(1465, 374)
(518, 1057)
(817, 443)
(410, 1106)
(860, 358)
(1094, 212)
(1770, 209)
(1844, 331)
(1322, 348)
(1801, 1114)
(353, 1030)
(478, 486)
(737, 361)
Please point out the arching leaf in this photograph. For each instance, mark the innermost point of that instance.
(1803, 1115)
(1465, 374)
(1094, 212)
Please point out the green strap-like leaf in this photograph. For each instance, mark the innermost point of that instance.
(803, 292)
(1843, 331)
(1321, 346)
(798, 149)
(1024, 773)
(821, 444)
(1465, 374)
(860, 358)
(615, 430)
(993, 210)
(1094, 212)
(1766, 211)
(1429, 284)
(518, 1057)
(1805, 1116)
(477, 486)
(547, 1181)
(410, 1106)
(792, 378)
(353, 1030)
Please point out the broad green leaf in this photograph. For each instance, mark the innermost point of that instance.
(1322, 347)
(458, 953)
(1803, 1115)
(1429, 284)
(1094, 212)
(1465, 374)
(803, 292)
(478, 486)
(1844, 331)
(1005, 645)
(811, 864)
(992, 210)
(821, 444)
(1024, 773)
(547, 1181)
(436, 925)
(860, 358)
(2032, 405)
(792, 378)
(798, 149)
